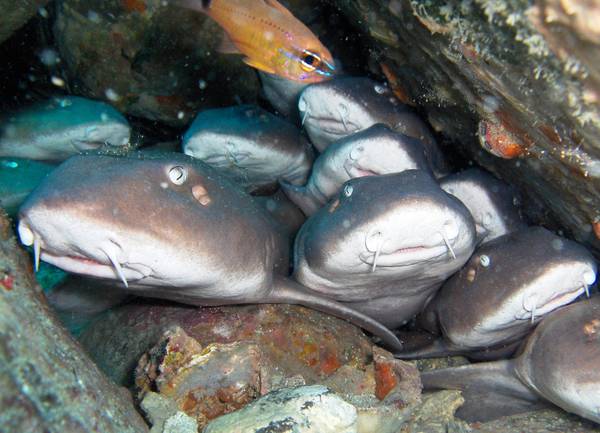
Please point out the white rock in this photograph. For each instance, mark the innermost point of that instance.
(305, 409)
(180, 423)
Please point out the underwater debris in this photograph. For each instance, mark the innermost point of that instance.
(497, 140)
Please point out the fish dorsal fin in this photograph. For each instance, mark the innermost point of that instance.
(227, 46)
(276, 5)
(256, 64)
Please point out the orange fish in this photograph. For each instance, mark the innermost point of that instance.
(271, 38)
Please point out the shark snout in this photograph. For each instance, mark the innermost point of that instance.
(30, 239)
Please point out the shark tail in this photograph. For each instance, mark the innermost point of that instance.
(301, 197)
(490, 389)
(287, 291)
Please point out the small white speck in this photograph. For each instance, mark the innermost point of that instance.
(271, 205)
(111, 95)
(346, 224)
(93, 17)
(49, 57)
(164, 185)
(43, 12)
(557, 244)
(180, 115)
(490, 103)
(379, 89)
(202, 84)
(57, 81)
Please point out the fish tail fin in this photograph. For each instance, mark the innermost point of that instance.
(289, 292)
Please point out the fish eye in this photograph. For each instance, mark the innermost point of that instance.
(309, 61)
(177, 175)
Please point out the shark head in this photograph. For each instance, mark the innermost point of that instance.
(381, 228)
(566, 271)
(168, 222)
(491, 202)
(61, 127)
(251, 145)
(559, 360)
(334, 109)
(379, 150)
(508, 285)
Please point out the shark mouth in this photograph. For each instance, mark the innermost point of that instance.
(405, 256)
(532, 310)
(91, 267)
(84, 265)
(335, 126)
(227, 159)
(83, 145)
(408, 255)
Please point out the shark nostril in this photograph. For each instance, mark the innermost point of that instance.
(90, 130)
(26, 235)
(302, 105)
(589, 277)
(487, 219)
(373, 240)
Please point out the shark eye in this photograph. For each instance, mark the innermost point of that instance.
(348, 190)
(177, 175)
(309, 61)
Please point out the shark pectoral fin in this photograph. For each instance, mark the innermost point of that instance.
(287, 291)
(301, 197)
(227, 46)
(258, 65)
(490, 389)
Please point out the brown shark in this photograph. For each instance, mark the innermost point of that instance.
(503, 291)
(558, 363)
(168, 227)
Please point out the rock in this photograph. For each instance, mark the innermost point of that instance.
(302, 410)
(299, 341)
(542, 421)
(149, 58)
(436, 414)
(48, 383)
(374, 417)
(15, 14)
(180, 423)
(210, 381)
(157, 409)
(202, 382)
(531, 69)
